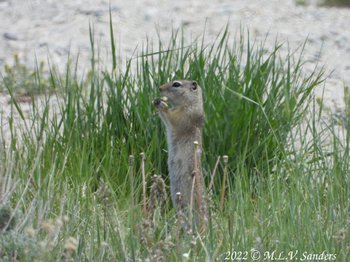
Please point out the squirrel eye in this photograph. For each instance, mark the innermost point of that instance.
(176, 84)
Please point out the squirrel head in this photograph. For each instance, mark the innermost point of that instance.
(181, 103)
(182, 94)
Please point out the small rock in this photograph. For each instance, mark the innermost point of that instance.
(324, 37)
(10, 36)
(186, 23)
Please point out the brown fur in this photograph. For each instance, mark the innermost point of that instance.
(183, 117)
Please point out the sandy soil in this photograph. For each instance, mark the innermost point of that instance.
(46, 28)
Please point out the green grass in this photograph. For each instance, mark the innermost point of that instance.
(345, 3)
(65, 179)
(337, 3)
(23, 81)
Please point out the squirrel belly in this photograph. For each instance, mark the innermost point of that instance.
(181, 163)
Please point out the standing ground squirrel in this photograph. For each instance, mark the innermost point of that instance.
(181, 110)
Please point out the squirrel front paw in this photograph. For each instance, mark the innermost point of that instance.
(160, 104)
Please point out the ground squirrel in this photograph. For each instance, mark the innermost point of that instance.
(181, 110)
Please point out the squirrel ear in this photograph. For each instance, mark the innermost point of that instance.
(194, 85)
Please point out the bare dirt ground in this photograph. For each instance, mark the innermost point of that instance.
(47, 29)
